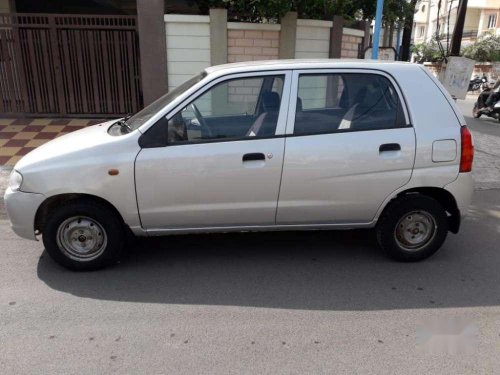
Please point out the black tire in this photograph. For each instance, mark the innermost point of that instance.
(113, 232)
(475, 111)
(396, 214)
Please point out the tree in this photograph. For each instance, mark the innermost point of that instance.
(272, 10)
(407, 30)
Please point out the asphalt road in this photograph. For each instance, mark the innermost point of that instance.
(301, 303)
(483, 125)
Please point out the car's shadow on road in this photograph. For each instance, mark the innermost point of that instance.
(299, 270)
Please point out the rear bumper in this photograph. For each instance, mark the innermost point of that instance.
(21, 210)
(462, 189)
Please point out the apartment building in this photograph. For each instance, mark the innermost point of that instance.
(438, 17)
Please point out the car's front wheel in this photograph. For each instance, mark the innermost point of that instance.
(412, 228)
(84, 235)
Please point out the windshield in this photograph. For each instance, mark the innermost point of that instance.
(146, 113)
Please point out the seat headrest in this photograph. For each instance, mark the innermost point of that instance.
(299, 105)
(360, 95)
(271, 101)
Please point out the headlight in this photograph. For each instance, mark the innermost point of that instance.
(15, 180)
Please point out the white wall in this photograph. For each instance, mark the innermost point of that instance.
(313, 39)
(188, 46)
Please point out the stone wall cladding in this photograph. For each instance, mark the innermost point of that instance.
(250, 45)
(350, 46)
(491, 70)
(313, 39)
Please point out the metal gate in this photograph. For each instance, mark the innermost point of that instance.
(69, 65)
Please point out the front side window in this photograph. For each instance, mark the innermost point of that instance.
(235, 109)
(146, 113)
(329, 103)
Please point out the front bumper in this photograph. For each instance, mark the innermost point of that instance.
(21, 210)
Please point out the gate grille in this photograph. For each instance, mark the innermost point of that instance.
(78, 65)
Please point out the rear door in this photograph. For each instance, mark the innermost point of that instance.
(349, 145)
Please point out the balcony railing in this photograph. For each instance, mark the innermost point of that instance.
(470, 34)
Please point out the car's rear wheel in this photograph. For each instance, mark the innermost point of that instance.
(84, 235)
(412, 228)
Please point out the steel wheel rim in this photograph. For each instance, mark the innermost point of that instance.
(81, 238)
(415, 230)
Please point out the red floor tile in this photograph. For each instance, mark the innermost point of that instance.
(33, 128)
(7, 135)
(24, 151)
(46, 135)
(68, 129)
(4, 159)
(97, 121)
(16, 143)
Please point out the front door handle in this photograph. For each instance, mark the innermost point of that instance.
(254, 156)
(389, 147)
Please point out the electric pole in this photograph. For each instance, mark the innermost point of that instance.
(456, 41)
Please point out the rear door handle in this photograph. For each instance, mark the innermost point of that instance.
(389, 147)
(254, 156)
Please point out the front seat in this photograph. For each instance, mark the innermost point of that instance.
(265, 124)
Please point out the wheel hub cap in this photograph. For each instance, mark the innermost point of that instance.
(415, 230)
(81, 238)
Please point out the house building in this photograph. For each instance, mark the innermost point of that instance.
(437, 18)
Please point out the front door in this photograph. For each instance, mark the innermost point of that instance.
(350, 145)
(222, 162)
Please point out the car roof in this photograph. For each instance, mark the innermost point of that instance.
(262, 65)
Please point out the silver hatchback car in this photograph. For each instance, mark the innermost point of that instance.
(273, 145)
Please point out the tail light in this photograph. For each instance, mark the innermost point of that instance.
(467, 150)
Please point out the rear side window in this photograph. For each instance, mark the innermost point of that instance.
(329, 103)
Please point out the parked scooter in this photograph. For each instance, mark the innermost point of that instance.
(476, 82)
(481, 106)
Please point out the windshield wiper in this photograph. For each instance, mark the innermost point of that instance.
(123, 122)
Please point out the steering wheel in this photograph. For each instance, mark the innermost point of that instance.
(204, 127)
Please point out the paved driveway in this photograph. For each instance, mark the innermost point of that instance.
(301, 303)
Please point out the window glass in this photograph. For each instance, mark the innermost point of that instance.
(328, 103)
(146, 113)
(234, 109)
(492, 21)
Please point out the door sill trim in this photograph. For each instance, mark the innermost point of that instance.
(257, 228)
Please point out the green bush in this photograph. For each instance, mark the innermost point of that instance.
(487, 48)
(427, 52)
